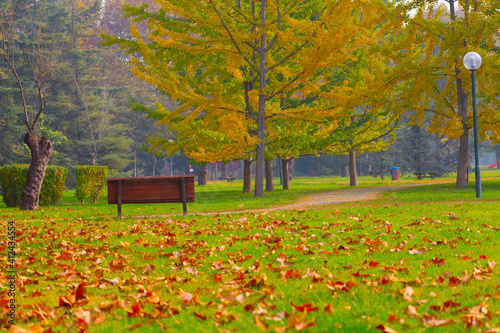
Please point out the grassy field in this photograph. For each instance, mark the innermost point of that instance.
(419, 259)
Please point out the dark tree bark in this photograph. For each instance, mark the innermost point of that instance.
(285, 172)
(463, 150)
(353, 175)
(269, 176)
(247, 175)
(202, 175)
(41, 150)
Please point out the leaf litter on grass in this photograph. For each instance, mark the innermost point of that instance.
(323, 270)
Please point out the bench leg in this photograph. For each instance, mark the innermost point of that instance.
(183, 196)
(119, 199)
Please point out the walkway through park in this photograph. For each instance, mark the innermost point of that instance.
(346, 195)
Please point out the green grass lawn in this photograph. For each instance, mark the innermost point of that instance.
(419, 259)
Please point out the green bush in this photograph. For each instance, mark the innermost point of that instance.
(13, 178)
(90, 182)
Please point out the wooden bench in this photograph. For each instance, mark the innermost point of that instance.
(229, 179)
(162, 189)
(421, 175)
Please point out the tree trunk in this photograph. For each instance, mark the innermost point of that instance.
(202, 175)
(154, 166)
(247, 175)
(261, 131)
(269, 176)
(93, 158)
(291, 168)
(352, 168)
(285, 173)
(41, 150)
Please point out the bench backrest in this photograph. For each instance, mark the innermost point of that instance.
(161, 189)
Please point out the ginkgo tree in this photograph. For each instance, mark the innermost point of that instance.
(429, 57)
(228, 63)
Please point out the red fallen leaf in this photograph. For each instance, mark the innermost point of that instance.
(453, 281)
(435, 307)
(357, 274)
(373, 263)
(292, 274)
(450, 304)
(136, 311)
(249, 307)
(217, 278)
(392, 318)
(466, 258)
(202, 317)
(437, 261)
(304, 308)
(329, 309)
(80, 290)
(385, 329)
(482, 256)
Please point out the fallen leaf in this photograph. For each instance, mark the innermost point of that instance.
(434, 321)
(411, 311)
(385, 329)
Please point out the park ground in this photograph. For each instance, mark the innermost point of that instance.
(387, 256)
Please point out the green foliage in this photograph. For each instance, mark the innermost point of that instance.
(13, 178)
(90, 182)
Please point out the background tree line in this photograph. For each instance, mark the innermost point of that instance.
(240, 80)
(87, 115)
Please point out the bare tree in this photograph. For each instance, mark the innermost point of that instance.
(43, 58)
(97, 128)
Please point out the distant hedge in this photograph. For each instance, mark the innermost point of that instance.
(90, 182)
(13, 178)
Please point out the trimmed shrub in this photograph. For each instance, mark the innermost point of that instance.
(13, 178)
(90, 182)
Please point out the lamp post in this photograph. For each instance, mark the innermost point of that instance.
(171, 167)
(472, 61)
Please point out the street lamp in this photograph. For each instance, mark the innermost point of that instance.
(472, 61)
(171, 167)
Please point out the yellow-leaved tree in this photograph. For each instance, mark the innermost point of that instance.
(433, 80)
(229, 63)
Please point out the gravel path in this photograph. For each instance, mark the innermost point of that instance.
(352, 194)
